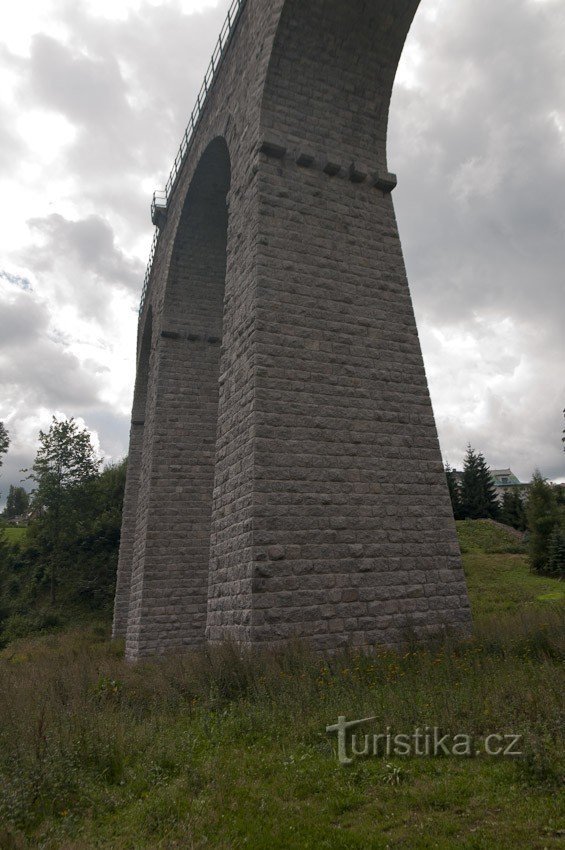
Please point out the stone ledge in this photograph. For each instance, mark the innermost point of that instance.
(331, 167)
(275, 148)
(386, 182)
(272, 147)
(305, 160)
(356, 173)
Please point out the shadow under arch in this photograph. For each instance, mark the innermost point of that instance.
(194, 290)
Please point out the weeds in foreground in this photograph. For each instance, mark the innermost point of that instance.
(81, 728)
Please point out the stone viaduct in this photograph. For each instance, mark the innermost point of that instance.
(285, 477)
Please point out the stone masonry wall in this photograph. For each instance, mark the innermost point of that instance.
(129, 514)
(232, 112)
(354, 539)
(294, 468)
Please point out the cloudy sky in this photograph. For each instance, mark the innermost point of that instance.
(94, 97)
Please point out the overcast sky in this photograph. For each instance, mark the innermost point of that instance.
(94, 98)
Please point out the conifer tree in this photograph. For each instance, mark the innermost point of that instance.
(513, 511)
(4, 441)
(478, 496)
(543, 518)
(17, 502)
(454, 492)
(556, 553)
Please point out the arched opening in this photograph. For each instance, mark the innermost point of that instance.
(175, 507)
(195, 288)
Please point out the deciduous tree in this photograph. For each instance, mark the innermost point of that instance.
(65, 464)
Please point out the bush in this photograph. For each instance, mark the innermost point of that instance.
(86, 569)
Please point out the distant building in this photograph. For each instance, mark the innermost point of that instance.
(504, 480)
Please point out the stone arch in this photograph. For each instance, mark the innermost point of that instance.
(330, 77)
(196, 277)
(292, 476)
(172, 545)
(123, 580)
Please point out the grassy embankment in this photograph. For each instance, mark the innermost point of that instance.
(228, 752)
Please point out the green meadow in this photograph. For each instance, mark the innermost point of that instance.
(224, 750)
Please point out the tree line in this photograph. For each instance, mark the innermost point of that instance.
(68, 556)
(538, 509)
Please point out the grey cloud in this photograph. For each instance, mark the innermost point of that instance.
(35, 368)
(86, 89)
(11, 148)
(80, 263)
(90, 242)
(21, 320)
(37, 374)
(128, 86)
(482, 164)
(481, 167)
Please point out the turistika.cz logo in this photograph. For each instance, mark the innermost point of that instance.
(423, 742)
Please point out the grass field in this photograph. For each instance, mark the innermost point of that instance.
(226, 751)
(15, 534)
(498, 577)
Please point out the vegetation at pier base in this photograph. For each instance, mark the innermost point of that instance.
(76, 557)
(224, 750)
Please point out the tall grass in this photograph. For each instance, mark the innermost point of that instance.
(80, 728)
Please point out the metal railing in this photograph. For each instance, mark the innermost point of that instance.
(152, 251)
(161, 198)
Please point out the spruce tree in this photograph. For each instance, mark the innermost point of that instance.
(478, 496)
(556, 553)
(543, 517)
(4, 441)
(454, 492)
(17, 502)
(513, 511)
(490, 506)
